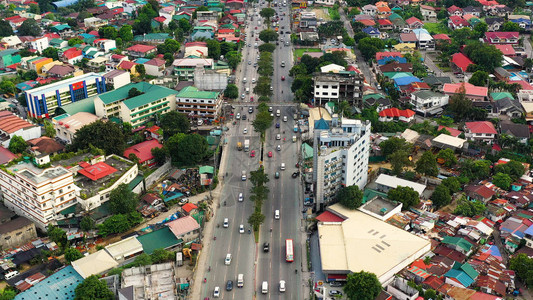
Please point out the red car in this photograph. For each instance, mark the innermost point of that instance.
(252, 154)
(282, 78)
(269, 153)
(252, 99)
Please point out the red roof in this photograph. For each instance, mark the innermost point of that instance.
(452, 131)
(502, 35)
(367, 22)
(199, 44)
(160, 19)
(434, 282)
(461, 61)
(384, 22)
(155, 62)
(506, 49)
(381, 55)
(10, 123)
(395, 113)
(328, 216)
(454, 8)
(153, 129)
(141, 48)
(524, 85)
(441, 36)
(188, 207)
(97, 171)
(127, 65)
(143, 150)
(470, 89)
(413, 20)
(484, 191)
(481, 127)
(457, 21)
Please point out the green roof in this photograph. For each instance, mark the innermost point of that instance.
(370, 193)
(394, 75)
(372, 96)
(151, 37)
(135, 182)
(193, 92)
(207, 169)
(457, 241)
(500, 95)
(159, 239)
(307, 151)
(203, 28)
(85, 105)
(150, 94)
(60, 27)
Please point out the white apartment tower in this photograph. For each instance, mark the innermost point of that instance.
(340, 154)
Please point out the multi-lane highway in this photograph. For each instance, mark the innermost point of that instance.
(248, 257)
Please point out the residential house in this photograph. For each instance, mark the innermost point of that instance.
(369, 9)
(457, 22)
(460, 63)
(338, 87)
(519, 131)
(494, 24)
(151, 38)
(454, 11)
(64, 30)
(143, 152)
(395, 67)
(523, 21)
(494, 38)
(96, 63)
(117, 78)
(480, 131)
(509, 107)
(16, 232)
(408, 38)
(105, 45)
(63, 70)
(11, 42)
(185, 228)
(155, 67)
(428, 13)
(94, 22)
(461, 275)
(39, 44)
(9, 58)
(67, 127)
(428, 103)
(424, 39)
(185, 67)
(383, 9)
(477, 94)
(72, 56)
(202, 32)
(472, 10)
(395, 114)
(384, 24)
(140, 50)
(436, 83)
(414, 23)
(372, 32)
(500, 11)
(196, 50)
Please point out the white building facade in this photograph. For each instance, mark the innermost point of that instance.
(428, 102)
(340, 153)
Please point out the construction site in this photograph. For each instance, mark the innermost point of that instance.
(152, 282)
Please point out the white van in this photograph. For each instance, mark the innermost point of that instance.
(247, 90)
(226, 223)
(264, 287)
(294, 139)
(253, 80)
(243, 176)
(244, 80)
(227, 261)
(11, 274)
(282, 286)
(278, 113)
(276, 214)
(282, 167)
(240, 280)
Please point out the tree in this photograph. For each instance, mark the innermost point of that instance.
(452, 183)
(189, 150)
(399, 160)
(162, 255)
(213, 49)
(510, 27)
(268, 35)
(174, 122)
(267, 47)
(160, 155)
(469, 208)
(427, 164)
(513, 168)
(107, 136)
(231, 91)
(17, 144)
(74, 42)
(57, 235)
(441, 196)
(459, 105)
(394, 144)
(51, 52)
(262, 122)
(141, 70)
(233, 58)
(49, 130)
(350, 196)
(502, 181)
(93, 288)
(126, 33)
(256, 219)
(7, 87)
(108, 32)
(523, 266)
(370, 46)
(479, 78)
(87, 223)
(267, 13)
(72, 254)
(486, 56)
(122, 200)
(119, 223)
(448, 156)
(405, 195)
(29, 27)
(5, 28)
(362, 286)
(8, 294)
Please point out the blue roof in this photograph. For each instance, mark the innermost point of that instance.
(370, 30)
(406, 80)
(64, 3)
(27, 85)
(460, 276)
(60, 285)
(384, 60)
(529, 230)
(141, 60)
(321, 124)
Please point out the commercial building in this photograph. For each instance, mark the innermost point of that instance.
(385, 183)
(428, 103)
(117, 78)
(199, 104)
(338, 87)
(340, 156)
(67, 127)
(11, 125)
(382, 249)
(184, 68)
(38, 194)
(94, 264)
(16, 232)
(136, 110)
(42, 101)
(60, 285)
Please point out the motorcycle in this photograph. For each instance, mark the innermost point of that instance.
(205, 280)
(215, 238)
(249, 231)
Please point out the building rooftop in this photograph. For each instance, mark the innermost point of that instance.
(36, 175)
(150, 93)
(183, 225)
(94, 263)
(160, 239)
(124, 247)
(143, 150)
(193, 92)
(54, 86)
(77, 121)
(393, 181)
(381, 247)
(11, 123)
(379, 206)
(60, 285)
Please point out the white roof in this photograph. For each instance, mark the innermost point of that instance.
(422, 35)
(528, 106)
(449, 140)
(192, 62)
(95, 263)
(124, 248)
(332, 68)
(382, 249)
(410, 135)
(394, 182)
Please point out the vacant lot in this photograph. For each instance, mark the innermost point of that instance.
(299, 52)
(436, 28)
(322, 13)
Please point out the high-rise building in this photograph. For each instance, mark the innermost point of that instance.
(340, 156)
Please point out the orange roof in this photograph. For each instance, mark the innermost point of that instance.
(11, 123)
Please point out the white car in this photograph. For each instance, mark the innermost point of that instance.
(238, 116)
(241, 228)
(278, 148)
(284, 118)
(278, 136)
(226, 223)
(216, 293)
(241, 198)
(245, 131)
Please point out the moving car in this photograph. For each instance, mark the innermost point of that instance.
(334, 293)
(183, 201)
(252, 154)
(284, 118)
(276, 175)
(282, 286)
(270, 109)
(278, 148)
(335, 283)
(241, 228)
(250, 109)
(277, 125)
(242, 96)
(245, 130)
(266, 247)
(226, 223)
(216, 293)
(241, 197)
(238, 116)
(282, 78)
(278, 136)
(229, 285)
(269, 153)
(276, 214)
(295, 174)
(243, 117)
(227, 261)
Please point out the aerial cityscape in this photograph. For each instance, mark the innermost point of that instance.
(266, 149)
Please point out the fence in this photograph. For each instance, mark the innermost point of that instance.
(157, 174)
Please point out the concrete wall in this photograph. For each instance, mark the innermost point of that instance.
(210, 81)
(157, 174)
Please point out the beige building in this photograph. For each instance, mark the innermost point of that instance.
(66, 128)
(16, 232)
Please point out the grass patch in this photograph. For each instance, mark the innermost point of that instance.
(256, 236)
(436, 28)
(300, 52)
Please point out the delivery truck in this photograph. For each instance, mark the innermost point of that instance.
(246, 145)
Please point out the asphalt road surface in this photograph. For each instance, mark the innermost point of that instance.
(248, 257)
